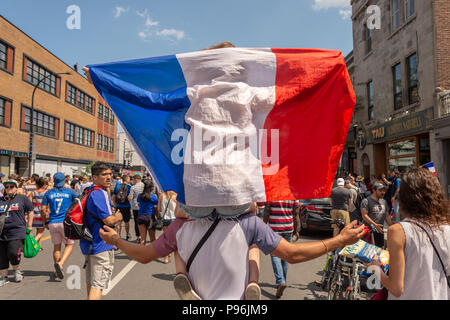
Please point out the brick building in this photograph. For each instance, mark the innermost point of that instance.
(73, 126)
(401, 80)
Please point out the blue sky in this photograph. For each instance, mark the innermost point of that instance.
(130, 29)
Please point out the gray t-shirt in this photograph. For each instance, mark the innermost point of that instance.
(340, 197)
(376, 209)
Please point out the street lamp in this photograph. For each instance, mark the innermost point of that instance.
(31, 155)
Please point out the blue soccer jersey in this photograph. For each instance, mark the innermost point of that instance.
(58, 200)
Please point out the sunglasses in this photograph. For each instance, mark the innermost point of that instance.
(10, 187)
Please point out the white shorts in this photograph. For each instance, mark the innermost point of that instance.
(57, 234)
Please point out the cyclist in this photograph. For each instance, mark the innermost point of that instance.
(55, 203)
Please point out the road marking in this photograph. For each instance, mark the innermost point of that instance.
(120, 276)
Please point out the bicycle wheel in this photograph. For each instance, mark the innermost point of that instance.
(335, 291)
(326, 274)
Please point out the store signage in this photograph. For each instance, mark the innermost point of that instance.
(13, 153)
(398, 128)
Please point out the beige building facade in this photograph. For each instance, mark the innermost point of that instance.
(401, 79)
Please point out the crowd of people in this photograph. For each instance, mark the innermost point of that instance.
(41, 202)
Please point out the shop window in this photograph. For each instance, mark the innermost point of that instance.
(402, 148)
(402, 164)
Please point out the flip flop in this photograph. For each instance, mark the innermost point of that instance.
(59, 272)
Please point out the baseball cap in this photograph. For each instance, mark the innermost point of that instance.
(340, 182)
(11, 181)
(378, 186)
(59, 179)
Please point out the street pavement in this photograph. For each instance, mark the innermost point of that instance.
(134, 281)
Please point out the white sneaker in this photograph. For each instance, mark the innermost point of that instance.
(18, 276)
(253, 292)
(184, 289)
(3, 281)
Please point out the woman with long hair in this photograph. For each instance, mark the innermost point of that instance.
(147, 211)
(419, 245)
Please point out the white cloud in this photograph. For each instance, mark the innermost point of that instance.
(345, 13)
(178, 34)
(119, 11)
(327, 4)
(150, 29)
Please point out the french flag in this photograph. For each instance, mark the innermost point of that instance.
(430, 166)
(234, 125)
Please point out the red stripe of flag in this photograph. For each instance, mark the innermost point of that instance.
(313, 109)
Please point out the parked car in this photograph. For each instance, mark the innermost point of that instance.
(311, 212)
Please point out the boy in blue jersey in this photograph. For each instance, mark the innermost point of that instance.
(55, 203)
(99, 255)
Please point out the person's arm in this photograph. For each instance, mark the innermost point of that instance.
(30, 215)
(388, 219)
(131, 194)
(113, 219)
(86, 73)
(140, 253)
(365, 216)
(301, 252)
(394, 282)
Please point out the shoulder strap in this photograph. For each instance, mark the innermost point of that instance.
(167, 206)
(201, 242)
(434, 247)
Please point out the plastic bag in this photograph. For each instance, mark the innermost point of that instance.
(31, 247)
(365, 252)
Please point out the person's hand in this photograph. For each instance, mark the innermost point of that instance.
(379, 228)
(295, 237)
(86, 73)
(350, 234)
(118, 215)
(109, 235)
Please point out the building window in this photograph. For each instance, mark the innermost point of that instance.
(106, 114)
(100, 111)
(80, 99)
(410, 8)
(395, 14)
(71, 94)
(70, 132)
(397, 77)
(36, 72)
(6, 57)
(89, 104)
(368, 38)
(111, 118)
(2, 111)
(99, 141)
(105, 143)
(5, 112)
(111, 145)
(79, 135)
(370, 100)
(43, 124)
(413, 88)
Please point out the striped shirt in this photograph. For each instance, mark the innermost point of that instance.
(135, 190)
(281, 218)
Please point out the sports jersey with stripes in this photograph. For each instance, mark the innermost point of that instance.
(281, 218)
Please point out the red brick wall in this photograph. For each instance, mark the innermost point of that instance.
(442, 29)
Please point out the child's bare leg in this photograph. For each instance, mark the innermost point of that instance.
(253, 291)
(253, 260)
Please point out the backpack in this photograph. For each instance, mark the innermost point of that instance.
(75, 225)
(357, 212)
(122, 194)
